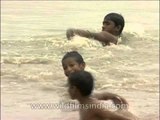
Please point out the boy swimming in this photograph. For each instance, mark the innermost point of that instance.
(112, 28)
(81, 84)
(74, 62)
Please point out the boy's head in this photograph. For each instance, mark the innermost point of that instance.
(72, 62)
(80, 83)
(113, 23)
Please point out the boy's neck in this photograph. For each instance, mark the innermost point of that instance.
(83, 100)
(115, 34)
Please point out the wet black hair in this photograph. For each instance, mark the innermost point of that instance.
(75, 55)
(83, 80)
(117, 19)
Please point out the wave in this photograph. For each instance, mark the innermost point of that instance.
(42, 50)
(20, 61)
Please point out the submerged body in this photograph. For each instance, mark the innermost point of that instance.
(80, 88)
(112, 27)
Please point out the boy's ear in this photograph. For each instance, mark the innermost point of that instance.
(118, 27)
(83, 65)
(74, 88)
(76, 91)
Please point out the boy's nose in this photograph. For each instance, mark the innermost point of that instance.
(69, 69)
(103, 28)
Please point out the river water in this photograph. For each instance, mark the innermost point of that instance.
(33, 43)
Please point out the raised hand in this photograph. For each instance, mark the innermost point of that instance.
(120, 102)
(69, 33)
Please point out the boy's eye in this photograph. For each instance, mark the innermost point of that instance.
(106, 23)
(64, 68)
(71, 65)
(71, 87)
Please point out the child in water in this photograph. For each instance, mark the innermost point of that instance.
(112, 28)
(81, 84)
(73, 62)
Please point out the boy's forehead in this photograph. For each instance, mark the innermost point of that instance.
(107, 19)
(69, 60)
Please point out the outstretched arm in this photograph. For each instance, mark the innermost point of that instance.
(119, 101)
(72, 32)
(103, 36)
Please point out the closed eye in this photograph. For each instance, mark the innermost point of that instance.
(64, 67)
(71, 65)
(106, 23)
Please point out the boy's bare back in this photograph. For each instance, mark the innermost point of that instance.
(80, 87)
(94, 110)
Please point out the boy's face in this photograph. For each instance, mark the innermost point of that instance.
(109, 26)
(72, 91)
(70, 65)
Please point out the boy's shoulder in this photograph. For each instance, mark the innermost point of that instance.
(106, 37)
(90, 112)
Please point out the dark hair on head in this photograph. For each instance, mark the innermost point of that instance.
(74, 54)
(83, 80)
(117, 19)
